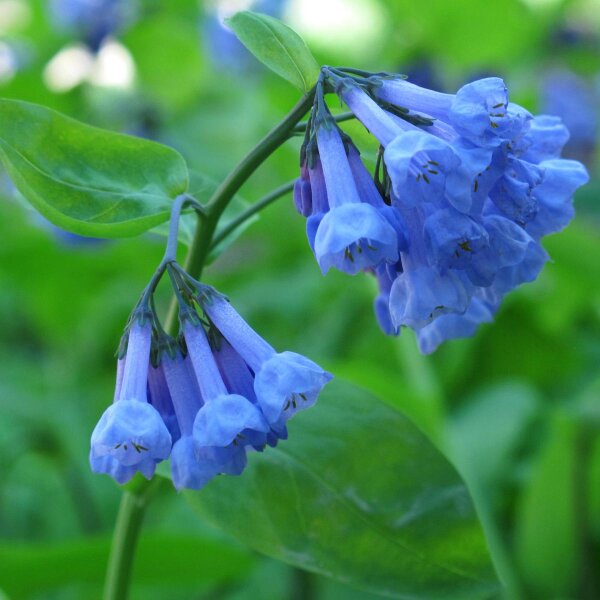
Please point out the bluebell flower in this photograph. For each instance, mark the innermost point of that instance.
(424, 166)
(205, 399)
(480, 111)
(545, 139)
(230, 420)
(554, 196)
(353, 235)
(508, 243)
(284, 383)
(381, 124)
(239, 379)
(187, 470)
(420, 295)
(469, 182)
(452, 238)
(451, 326)
(418, 164)
(227, 423)
(513, 192)
(131, 432)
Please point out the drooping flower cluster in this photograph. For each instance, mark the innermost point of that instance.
(203, 399)
(465, 187)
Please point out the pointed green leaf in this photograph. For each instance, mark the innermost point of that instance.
(546, 540)
(358, 493)
(277, 46)
(84, 179)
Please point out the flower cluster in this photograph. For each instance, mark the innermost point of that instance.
(204, 398)
(465, 187)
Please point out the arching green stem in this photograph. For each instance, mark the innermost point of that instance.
(218, 203)
(134, 503)
(255, 208)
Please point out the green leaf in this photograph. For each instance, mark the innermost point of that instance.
(202, 187)
(546, 538)
(485, 434)
(484, 437)
(87, 180)
(359, 494)
(277, 46)
(162, 559)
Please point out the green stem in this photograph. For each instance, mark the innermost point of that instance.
(304, 585)
(133, 503)
(202, 242)
(218, 203)
(277, 193)
(127, 529)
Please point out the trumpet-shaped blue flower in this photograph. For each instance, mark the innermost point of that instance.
(513, 192)
(418, 164)
(481, 113)
(239, 379)
(452, 238)
(544, 140)
(227, 423)
(187, 471)
(131, 432)
(418, 296)
(284, 382)
(451, 326)
(230, 419)
(353, 235)
(554, 195)
(192, 468)
(508, 243)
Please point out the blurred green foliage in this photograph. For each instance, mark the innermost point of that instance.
(516, 408)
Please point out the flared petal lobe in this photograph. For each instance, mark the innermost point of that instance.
(131, 432)
(286, 383)
(419, 296)
(353, 237)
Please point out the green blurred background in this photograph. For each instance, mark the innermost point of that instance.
(516, 408)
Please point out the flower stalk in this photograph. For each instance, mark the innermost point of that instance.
(134, 503)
